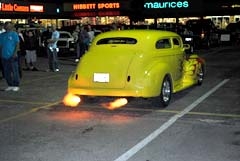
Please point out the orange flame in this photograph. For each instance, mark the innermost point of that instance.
(118, 103)
(71, 100)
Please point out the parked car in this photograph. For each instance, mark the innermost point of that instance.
(65, 42)
(205, 33)
(234, 30)
(136, 63)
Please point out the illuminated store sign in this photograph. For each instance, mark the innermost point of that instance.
(93, 14)
(36, 8)
(93, 6)
(9, 7)
(166, 5)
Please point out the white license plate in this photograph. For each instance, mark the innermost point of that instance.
(101, 77)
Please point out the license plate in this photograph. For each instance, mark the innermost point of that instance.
(101, 77)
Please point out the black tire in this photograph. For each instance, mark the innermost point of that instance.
(166, 93)
(200, 75)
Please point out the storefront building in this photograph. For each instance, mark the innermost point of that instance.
(97, 12)
(152, 11)
(101, 12)
(23, 12)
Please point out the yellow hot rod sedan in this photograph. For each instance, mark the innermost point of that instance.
(136, 63)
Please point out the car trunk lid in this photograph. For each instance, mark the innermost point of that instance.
(105, 67)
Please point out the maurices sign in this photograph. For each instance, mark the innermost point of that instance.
(166, 4)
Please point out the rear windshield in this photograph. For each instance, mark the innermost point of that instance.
(117, 40)
(64, 35)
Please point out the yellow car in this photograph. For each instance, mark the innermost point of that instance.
(136, 63)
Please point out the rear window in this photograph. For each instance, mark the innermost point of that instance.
(64, 35)
(163, 44)
(117, 40)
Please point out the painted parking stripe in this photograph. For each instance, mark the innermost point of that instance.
(138, 109)
(214, 114)
(189, 113)
(25, 102)
(28, 112)
(128, 154)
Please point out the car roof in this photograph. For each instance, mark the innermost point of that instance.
(61, 31)
(138, 34)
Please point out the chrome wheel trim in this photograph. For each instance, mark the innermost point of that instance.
(166, 91)
(200, 75)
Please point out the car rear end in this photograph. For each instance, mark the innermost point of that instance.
(113, 66)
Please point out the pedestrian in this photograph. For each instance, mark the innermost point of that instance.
(53, 50)
(84, 40)
(31, 50)
(75, 35)
(9, 43)
(21, 50)
(91, 34)
(44, 38)
(1, 66)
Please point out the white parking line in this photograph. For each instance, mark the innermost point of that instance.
(128, 154)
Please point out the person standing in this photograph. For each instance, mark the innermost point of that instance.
(31, 50)
(2, 30)
(44, 38)
(75, 35)
(53, 50)
(91, 34)
(84, 40)
(9, 43)
(21, 50)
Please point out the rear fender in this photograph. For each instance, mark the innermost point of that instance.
(199, 59)
(192, 64)
(154, 77)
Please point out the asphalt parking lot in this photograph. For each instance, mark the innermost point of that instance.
(44, 89)
(39, 88)
(36, 126)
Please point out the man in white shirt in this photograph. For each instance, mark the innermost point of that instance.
(53, 50)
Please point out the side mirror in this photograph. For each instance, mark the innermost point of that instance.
(186, 46)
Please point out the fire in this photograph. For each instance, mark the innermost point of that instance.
(118, 103)
(71, 100)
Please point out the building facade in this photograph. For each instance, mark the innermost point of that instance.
(119, 11)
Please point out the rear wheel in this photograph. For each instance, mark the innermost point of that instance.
(200, 75)
(166, 93)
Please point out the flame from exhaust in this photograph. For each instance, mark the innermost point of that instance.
(71, 100)
(118, 103)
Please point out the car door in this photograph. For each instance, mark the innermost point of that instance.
(178, 59)
(165, 56)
